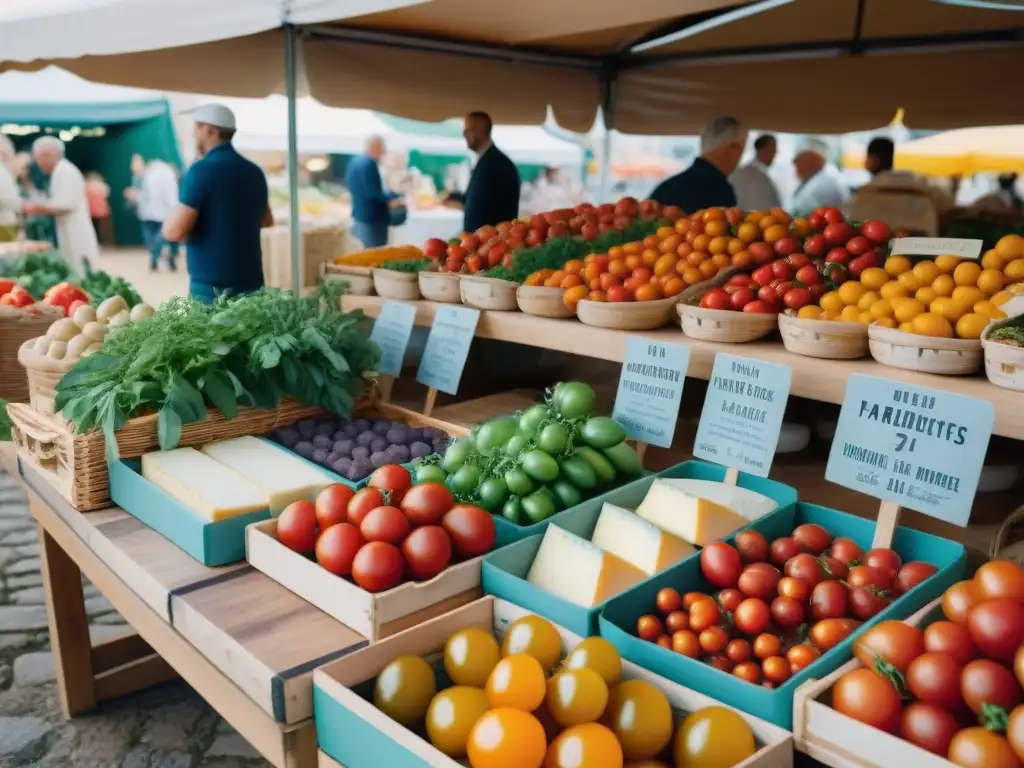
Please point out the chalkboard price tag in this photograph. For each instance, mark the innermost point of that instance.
(391, 332)
(447, 348)
(651, 389)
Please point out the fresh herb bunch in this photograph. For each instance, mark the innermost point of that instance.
(406, 265)
(101, 286)
(1012, 333)
(37, 272)
(246, 351)
(5, 421)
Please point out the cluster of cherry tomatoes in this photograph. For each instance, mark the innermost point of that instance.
(386, 532)
(955, 687)
(780, 605)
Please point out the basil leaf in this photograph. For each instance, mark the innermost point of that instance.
(168, 428)
(220, 391)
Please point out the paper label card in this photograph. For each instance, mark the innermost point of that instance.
(742, 416)
(447, 348)
(961, 247)
(918, 447)
(651, 389)
(391, 332)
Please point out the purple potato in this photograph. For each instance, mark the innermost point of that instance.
(351, 430)
(288, 436)
(420, 449)
(397, 435)
(326, 428)
(344, 447)
(440, 446)
(339, 434)
(362, 424)
(381, 426)
(380, 458)
(360, 452)
(332, 457)
(412, 435)
(399, 453)
(320, 455)
(378, 444)
(307, 428)
(322, 441)
(341, 466)
(365, 438)
(360, 468)
(304, 449)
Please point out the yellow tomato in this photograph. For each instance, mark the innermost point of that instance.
(991, 281)
(947, 264)
(897, 265)
(641, 717)
(992, 260)
(971, 325)
(1001, 298)
(881, 308)
(452, 715)
(893, 290)
(906, 327)
(865, 317)
(597, 654)
(968, 295)
(535, 637)
(832, 301)
(873, 278)
(1010, 247)
(947, 307)
(1017, 289)
(517, 681)
(989, 309)
(931, 324)
(590, 745)
(910, 281)
(404, 689)
(507, 737)
(926, 294)
(576, 696)
(850, 292)
(943, 285)
(926, 272)
(908, 309)
(470, 655)
(886, 322)
(850, 314)
(828, 316)
(810, 312)
(866, 300)
(1014, 270)
(713, 737)
(966, 273)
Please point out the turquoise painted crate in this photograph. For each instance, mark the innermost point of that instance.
(212, 544)
(504, 571)
(619, 615)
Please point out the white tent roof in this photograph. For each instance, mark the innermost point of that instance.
(54, 85)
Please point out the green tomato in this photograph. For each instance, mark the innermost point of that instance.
(465, 479)
(602, 432)
(430, 473)
(512, 510)
(574, 399)
(493, 492)
(566, 494)
(624, 459)
(602, 467)
(538, 506)
(456, 455)
(494, 434)
(578, 472)
(532, 418)
(516, 445)
(540, 466)
(552, 439)
(518, 482)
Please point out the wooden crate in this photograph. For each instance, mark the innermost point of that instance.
(471, 412)
(319, 245)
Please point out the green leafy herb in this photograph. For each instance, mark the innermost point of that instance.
(406, 265)
(101, 286)
(1012, 333)
(37, 272)
(5, 421)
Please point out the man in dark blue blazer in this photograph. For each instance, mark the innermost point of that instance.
(371, 204)
(493, 193)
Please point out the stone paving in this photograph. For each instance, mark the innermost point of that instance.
(169, 726)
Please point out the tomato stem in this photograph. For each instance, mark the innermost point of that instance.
(993, 717)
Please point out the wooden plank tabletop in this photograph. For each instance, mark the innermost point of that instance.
(823, 380)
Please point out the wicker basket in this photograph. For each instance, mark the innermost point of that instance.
(359, 279)
(43, 375)
(76, 464)
(16, 327)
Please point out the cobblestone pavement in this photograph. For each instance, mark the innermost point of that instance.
(169, 726)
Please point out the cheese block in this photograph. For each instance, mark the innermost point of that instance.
(206, 487)
(701, 511)
(283, 476)
(576, 570)
(637, 541)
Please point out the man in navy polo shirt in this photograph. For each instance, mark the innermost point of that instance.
(224, 204)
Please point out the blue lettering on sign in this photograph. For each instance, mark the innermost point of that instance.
(651, 389)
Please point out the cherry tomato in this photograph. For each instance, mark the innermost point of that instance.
(337, 546)
(867, 576)
(947, 637)
(721, 564)
(534, 636)
(471, 528)
(775, 669)
(676, 621)
(808, 274)
(507, 737)
(426, 503)
(687, 643)
(740, 298)
(713, 640)
(829, 600)
(980, 748)
(759, 308)
(694, 597)
(641, 717)
(934, 678)
(911, 574)
(751, 616)
(668, 600)
(1001, 579)
(721, 662)
(929, 727)
(959, 599)
(404, 688)
(846, 550)
(362, 502)
(703, 614)
(1018, 665)
(868, 697)
(749, 671)
(378, 566)
(385, 524)
(716, 298)
(833, 568)
(767, 645)
(728, 599)
(829, 633)
(799, 656)
(584, 744)
(883, 558)
(806, 568)
(997, 628)
(1015, 731)
(576, 696)
(797, 297)
(713, 736)
(649, 628)
(517, 681)
(393, 478)
(782, 549)
(332, 505)
(787, 612)
(865, 602)
(597, 654)
(738, 650)
(451, 716)
(794, 588)
(665, 642)
(470, 655)
(891, 641)
(296, 527)
(813, 538)
(986, 681)
(752, 546)
(759, 580)
(427, 551)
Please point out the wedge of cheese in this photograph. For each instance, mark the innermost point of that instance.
(637, 541)
(701, 511)
(282, 476)
(208, 488)
(578, 571)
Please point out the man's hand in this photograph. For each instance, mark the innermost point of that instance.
(397, 202)
(131, 194)
(31, 208)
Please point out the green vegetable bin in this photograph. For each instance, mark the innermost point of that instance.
(504, 571)
(619, 615)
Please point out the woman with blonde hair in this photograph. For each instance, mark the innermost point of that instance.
(10, 200)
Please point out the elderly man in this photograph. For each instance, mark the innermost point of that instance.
(706, 182)
(820, 185)
(755, 190)
(224, 203)
(371, 204)
(66, 202)
(493, 192)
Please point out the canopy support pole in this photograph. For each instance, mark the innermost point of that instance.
(291, 44)
(608, 88)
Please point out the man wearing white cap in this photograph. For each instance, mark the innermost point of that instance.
(820, 185)
(224, 203)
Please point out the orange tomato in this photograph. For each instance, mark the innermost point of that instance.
(673, 287)
(800, 225)
(684, 250)
(714, 214)
(721, 260)
(780, 215)
(748, 232)
(735, 246)
(775, 232)
(651, 241)
(665, 264)
(682, 226)
(742, 259)
(692, 276)
(647, 292)
(718, 245)
(766, 221)
(649, 256)
(616, 252)
(701, 242)
(602, 261)
(595, 283)
(608, 280)
(664, 232)
(587, 744)
(571, 281)
(619, 268)
(556, 277)
(506, 736)
(573, 266)
(591, 271)
(534, 278)
(574, 294)
(634, 247)
(552, 282)
(716, 228)
(708, 268)
(596, 295)
(517, 681)
(696, 258)
(633, 261)
(669, 244)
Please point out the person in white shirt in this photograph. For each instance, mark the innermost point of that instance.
(820, 184)
(76, 237)
(10, 200)
(157, 197)
(755, 190)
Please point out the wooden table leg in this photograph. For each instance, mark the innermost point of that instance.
(69, 628)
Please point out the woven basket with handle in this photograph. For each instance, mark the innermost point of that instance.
(16, 327)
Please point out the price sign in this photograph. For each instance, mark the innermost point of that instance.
(742, 416)
(917, 447)
(447, 347)
(650, 390)
(391, 332)
(961, 247)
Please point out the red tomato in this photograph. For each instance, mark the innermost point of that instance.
(296, 527)
(959, 599)
(833, 215)
(378, 566)
(393, 478)
(332, 505)
(833, 568)
(790, 587)
(648, 627)
(838, 233)
(817, 221)
(846, 550)
(738, 651)
(751, 617)
(808, 274)
(806, 568)
(782, 270)
(763, 275)
(787, 612)
(934, 678)
(365, 499)
(798, 261)
(782, 549)
(752, 546)
(435, 248)
(721, 564)
(796, 298)
(799, 656)
(865, 602)
(471, 528)
(740, 298)
(883, 558)
(858, 244)
(812, 538)
(747, 670)
(892, 641)
(829, 600)
(385, 523)
(474, 263)
(426, 503)
(981, 748)
(759, 580)
(911, 574)
(668, 600)
(866, 576)
(947, 637)
(776, 669)
(427, 551)
(782, 287)
(838, 256)
(878, 232)
(336, 548)
(929, 727)
(1001, 578)
(984, 681)
(619, 293)
(829, 633)
(457, 253)
(721, 661)
(713, 640)
(815, 246)
(716, 298)
(729, 599)
(997, 628)
(818, 290)
(759, 307)
(676, 621)
(768, 295)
